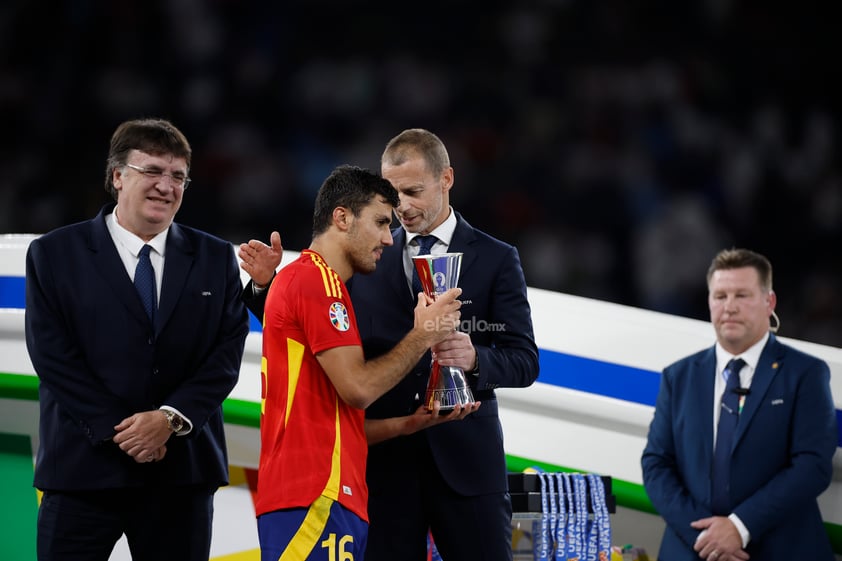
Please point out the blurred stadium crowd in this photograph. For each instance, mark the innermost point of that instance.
(619, 145)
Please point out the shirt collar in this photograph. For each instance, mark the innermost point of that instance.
(751, 356)
(131, 241)
(444, 231)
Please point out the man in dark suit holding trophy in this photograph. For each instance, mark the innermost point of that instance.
(424, 473)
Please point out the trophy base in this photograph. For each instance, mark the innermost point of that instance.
(443, 411)
(449, 399)
(448, 386)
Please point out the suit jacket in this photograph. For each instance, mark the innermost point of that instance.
(99, 359)
(468, 454)
(780, 462)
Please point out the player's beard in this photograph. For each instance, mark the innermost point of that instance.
(362, 256)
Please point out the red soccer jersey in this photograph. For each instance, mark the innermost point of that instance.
(312, 442)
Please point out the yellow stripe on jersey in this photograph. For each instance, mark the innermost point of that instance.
(308, 534)
(295, 355)
(332, 486)
(329, 277)
(248, 555)
(265, 376)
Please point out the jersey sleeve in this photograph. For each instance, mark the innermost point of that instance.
(326, 313)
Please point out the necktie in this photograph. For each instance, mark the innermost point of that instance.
(144, 282)
(729, 414)
(425, 244)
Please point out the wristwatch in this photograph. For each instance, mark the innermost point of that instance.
(175, 422)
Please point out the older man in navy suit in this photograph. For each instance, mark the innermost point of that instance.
(743, 436)
(136, 327)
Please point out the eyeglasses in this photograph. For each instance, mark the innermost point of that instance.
(177, 179)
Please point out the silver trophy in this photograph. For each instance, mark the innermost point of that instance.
(447, 384)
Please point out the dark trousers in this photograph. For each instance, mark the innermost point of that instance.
(160, 523)
(464, 528)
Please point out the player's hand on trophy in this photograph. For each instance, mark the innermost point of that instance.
(424, 418)
(438, 318)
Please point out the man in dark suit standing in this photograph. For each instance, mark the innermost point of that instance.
(743, 436)
(429, 472)
(132, 378)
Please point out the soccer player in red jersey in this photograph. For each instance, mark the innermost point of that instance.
(312, 494)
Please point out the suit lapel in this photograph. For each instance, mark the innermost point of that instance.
(177, 263)
(703, 384)
(107, 263)
(771, 360)
(463, 242)
(392, 268)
